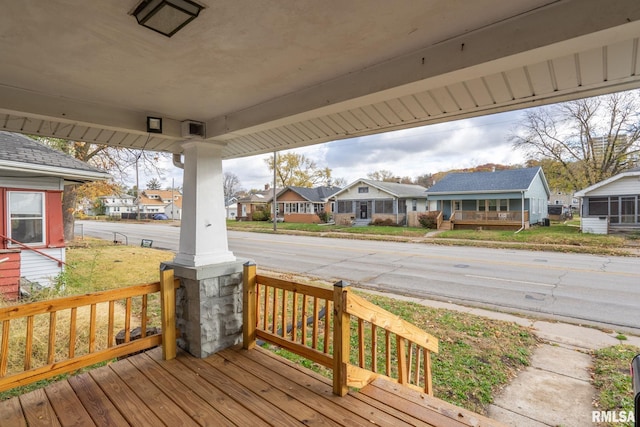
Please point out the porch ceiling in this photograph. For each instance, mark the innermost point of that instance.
(274, 75)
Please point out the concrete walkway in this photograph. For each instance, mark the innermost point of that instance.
(555, 390)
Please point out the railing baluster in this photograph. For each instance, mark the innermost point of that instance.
(28, 345)
(314, 336)
(72, 332)
(274, 319)
(51, 351)
(327, 325)
(374, 348)
(387, 365)
(294, 317)
(127, 320)
(258, 288)
(416, 378)
(265, 311)
(284, 314)
(303, 340)
(402, 359)
(143, 317)
(361, 343)
(410, 359)
(4, 351)
(111, 324)
(428, 386)
(92, 329)
(341, 339)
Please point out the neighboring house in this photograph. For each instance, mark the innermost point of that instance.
(611, 204)
(255, 202)
(231, 208)
(32, 179)
(506, 199)
(366, 201)
(302, 204)
(174, 209)
(117, 204)
(152, 202)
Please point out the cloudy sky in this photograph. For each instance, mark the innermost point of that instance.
(410, 152)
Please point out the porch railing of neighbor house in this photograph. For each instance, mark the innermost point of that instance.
(490, 216)
(67, 356)
(439, 219)
(321, 324)
(27, 247)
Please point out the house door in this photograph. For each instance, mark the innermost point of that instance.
(364, 213)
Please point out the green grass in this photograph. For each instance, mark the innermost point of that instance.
(612, 379)
(267, 227)
(557, 234)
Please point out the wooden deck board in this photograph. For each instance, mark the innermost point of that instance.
(96, 403)
(11, 413)
(67, 406)
(234, 387)
(37, 409)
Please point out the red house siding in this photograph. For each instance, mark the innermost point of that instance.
(10, 273)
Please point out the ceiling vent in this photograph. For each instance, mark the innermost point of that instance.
(191, 129)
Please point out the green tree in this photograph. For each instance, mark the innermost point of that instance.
(154, 184)
(293, 169)
(590, 139)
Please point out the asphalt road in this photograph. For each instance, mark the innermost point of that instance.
(590, 289)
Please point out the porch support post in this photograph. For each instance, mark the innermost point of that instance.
(209, 299)
(203, 231)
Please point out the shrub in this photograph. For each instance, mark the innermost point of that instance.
(261, 216)
(429, 219)
(382, 222)
(324, 216)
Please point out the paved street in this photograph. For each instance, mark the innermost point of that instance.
(581, 288)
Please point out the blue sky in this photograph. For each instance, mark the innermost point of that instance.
(410, 152)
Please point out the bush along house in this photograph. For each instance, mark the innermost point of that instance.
(32, 179)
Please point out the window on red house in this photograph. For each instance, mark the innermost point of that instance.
(26, 216)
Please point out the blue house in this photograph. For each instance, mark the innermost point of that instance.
(506, 199)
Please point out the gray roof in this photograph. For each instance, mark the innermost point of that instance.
(317, 194)
(397, 189)
(16, 149)
(393, 188)
(481, 182)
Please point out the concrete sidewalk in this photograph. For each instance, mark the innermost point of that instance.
(556, 389)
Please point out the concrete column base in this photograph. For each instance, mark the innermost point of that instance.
(209, 306)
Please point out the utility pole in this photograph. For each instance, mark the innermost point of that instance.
(275, 202)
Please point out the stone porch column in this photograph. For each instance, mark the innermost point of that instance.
(209, 300)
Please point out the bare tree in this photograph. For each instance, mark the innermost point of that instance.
(119, 162)
(592, 138)
(382, 175)
(230, 185)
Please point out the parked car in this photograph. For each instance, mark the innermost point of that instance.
(160, 216)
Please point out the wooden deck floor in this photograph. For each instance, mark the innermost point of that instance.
(233, 387)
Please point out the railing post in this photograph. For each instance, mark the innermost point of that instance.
(168, 301)
(341, 338)
(249, 320)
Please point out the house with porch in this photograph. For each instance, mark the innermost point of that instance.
(506, 199)
(32, 180)
(303, 204)
(366, 201)
(115, 205)
(254, 205)
(612, 204)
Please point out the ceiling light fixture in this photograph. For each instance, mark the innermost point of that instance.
(166, 17)
(154, 124)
